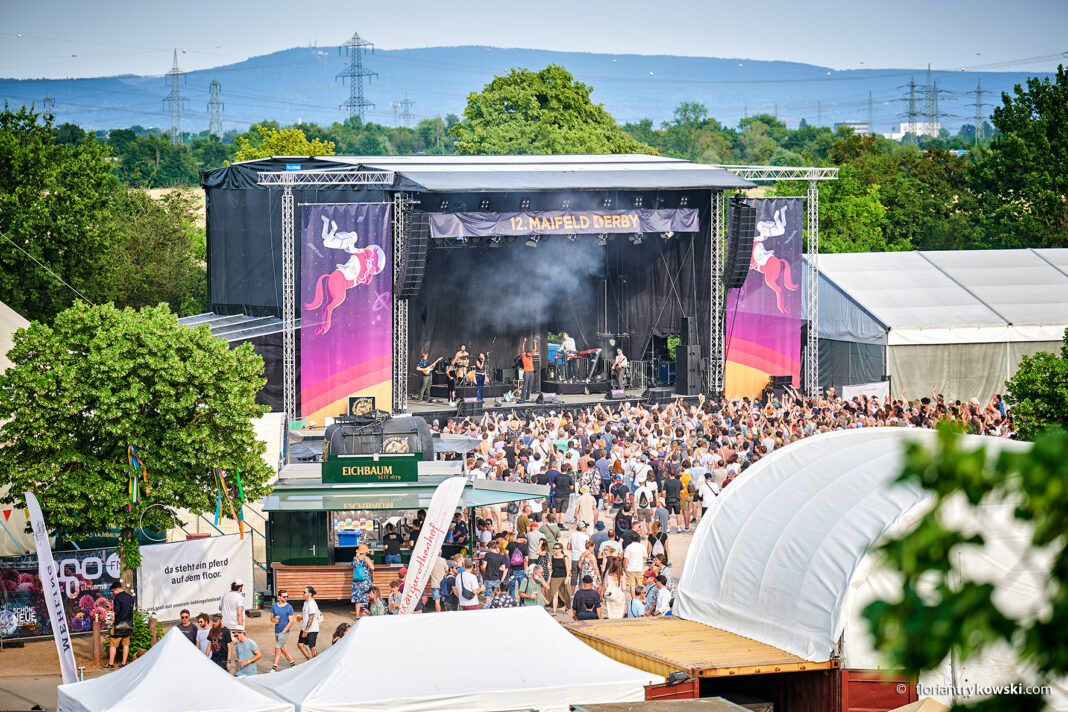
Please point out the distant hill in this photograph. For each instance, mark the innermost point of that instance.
(299, 84)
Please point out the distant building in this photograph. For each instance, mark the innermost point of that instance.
(920, 128)
(860, 128)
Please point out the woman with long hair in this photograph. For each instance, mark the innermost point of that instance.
(615, 606)
(588, 564)
(559, 568)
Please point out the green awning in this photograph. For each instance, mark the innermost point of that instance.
(313, 497)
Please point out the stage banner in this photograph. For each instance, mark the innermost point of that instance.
(428, 546)
(85, 579)
(193, 574)
(346, 296)
(53, 595)
(562, 222)
(763, 318)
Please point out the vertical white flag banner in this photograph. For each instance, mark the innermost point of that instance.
(428, 546)
(52, 592)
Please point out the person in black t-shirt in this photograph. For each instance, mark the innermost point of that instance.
(417, 526)
(494, 568)
(517, 562)
(624, 520)
(121, 625)
(449, 598)
(673, 498)
(391, 543)
(564, 483)
(586, 606)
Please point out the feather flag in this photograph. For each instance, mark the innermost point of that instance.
(136, 466)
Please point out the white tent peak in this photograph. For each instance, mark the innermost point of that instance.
(173, 676)
(775, 559)
(445, 673)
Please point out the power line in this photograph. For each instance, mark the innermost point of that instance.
(176, 100)
(354, 72)
(42, 266)
(979, 117)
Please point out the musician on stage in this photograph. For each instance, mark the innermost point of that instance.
(462, 357)
(619, 367)
(450, 373)
(570, 352)
(424, 369)
(528, 367)
(480, 375)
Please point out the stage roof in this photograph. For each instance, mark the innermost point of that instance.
(476, 174)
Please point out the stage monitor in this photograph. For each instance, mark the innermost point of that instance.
(741, 228)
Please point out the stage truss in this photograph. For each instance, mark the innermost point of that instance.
(766, 174)
(311, 179)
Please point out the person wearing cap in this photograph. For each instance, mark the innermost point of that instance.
(586, 506)
(121, 624)
(232, 605)
(246, 651)
(450, 599)
(708, 491)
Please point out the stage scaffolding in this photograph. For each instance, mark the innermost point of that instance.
(769, 174)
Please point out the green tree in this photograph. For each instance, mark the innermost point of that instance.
(156, 254)
(1038, 392)
(53, 201)
(527, 112)
(941, 610)
(209, 151)
(99, 380)
(1023, 181)
(279, 142)
(151, 160)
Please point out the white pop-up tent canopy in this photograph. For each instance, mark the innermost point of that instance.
(784, 557)
(471, 661)
(174, 676)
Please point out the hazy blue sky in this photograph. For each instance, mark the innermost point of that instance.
(78, 39)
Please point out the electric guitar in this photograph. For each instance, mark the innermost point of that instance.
(428, 369)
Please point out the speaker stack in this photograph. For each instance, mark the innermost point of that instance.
(688, 359)
(469, 408)
(741, 229)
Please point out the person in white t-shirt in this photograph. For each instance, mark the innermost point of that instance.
(309, 625)
(467, 580)
(708, 492)
(634, 561)
(576, 545)
(663, 597)
(232, 605)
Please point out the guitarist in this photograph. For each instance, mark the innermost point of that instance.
(426, 368)
(619, 367)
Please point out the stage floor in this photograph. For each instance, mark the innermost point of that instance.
(440, 409)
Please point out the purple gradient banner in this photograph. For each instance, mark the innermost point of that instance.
(346, 297)
(763, 318)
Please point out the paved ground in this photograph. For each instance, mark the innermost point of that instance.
(24, 681)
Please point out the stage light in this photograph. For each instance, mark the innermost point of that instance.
(524, 204)
(607, 203)
(636, 238)
(495, 241)
(668, 235)
(533, 241)
(444, 205)
(602, 239)
(484, 205)
(638, 201)
(565, 205)
(572, 238)
(683, 201)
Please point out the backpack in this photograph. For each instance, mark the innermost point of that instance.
(658, 547)
(464, 591)
(690, 489)
(643, 499)
(359, 571)
(446, 586)
(516, 558)
(620, 496)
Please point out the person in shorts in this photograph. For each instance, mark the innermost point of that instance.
(282, 617)
(309, 625)
(121, 624)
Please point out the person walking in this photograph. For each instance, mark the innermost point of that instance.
(576, 545)
(467, 588)
(203, 628)
(586, 605)
(614, 599)
(121, 624)
(588, 564)
(363, 570)
(634, 560)
(282, 617)
(309, 625)
(558, 573)
(186, 626)
(221, 642)
(247, 653)
(534, 587)
(232, 605)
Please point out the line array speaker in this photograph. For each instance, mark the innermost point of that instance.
(688, 331)
(688, 370)
(741, 228)
(416, 227)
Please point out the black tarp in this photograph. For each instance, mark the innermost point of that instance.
(845, 363)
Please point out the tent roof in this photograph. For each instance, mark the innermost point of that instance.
(446, 674)
(10, 322)
(964, 296)
(173, 676)
(775, 560)
(477, 174)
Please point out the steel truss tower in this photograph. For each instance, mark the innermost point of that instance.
(176, 100)
(355, 73)
(215, 107)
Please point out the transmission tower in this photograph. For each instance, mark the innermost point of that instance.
(406, 110)
(819, 113)
(355, 73)
(215, 107)
(176, 100)
(871, 116)
(912, 114)
(979, 117)
(931, 111)
(49, 104)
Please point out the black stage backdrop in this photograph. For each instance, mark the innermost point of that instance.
(490, 298)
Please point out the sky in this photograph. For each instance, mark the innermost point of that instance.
(61, 38)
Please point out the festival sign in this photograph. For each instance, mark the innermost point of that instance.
(763, 317)
(346, 335)
(562, 222)
(193, 574)
(427, 547)
(85, 579)
(345, 469)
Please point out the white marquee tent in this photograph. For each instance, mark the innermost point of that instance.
(174, 676)
(783, 557)
(960, 320)
(472, 660)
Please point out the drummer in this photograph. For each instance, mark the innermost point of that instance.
(462, 357)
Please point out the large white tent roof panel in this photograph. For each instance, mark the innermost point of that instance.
(775, 559)
(445, 669)
(173, 676)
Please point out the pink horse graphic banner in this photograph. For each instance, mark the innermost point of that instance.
(763, 317)
(346, 307)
